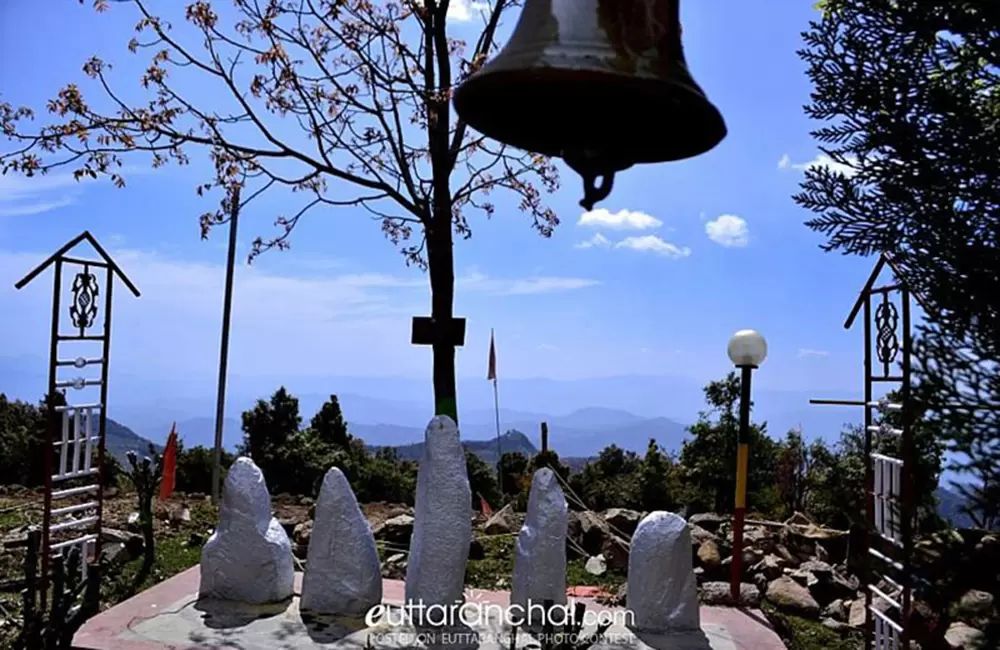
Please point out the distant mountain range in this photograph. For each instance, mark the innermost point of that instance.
(630, 433)
(488, 450)
(581, 433)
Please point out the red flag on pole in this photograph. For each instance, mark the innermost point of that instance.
(485, 507)
(169, 464)
(491, 374)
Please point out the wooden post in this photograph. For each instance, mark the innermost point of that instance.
(545, 437)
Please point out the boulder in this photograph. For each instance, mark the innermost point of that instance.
(804, 541)
(300, 539)
(707, 520)
(249, 557)
(501, 522)
(975, 603)
(771, 567)
(856, 613)
(442, 530)
(708, 554)
(963, 637)
(615, 553)
(623, 519)
(719, 593)
(788, 595)
(596, 565)
(395, 530)
(837, 610)
(343, 575)
(540, 552)
(699, 535)
(662, 591)
(590, 531)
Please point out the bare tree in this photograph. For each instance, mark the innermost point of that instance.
(319, 96)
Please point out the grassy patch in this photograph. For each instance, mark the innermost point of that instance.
(805, 634)
(495, 569)
(173, 556)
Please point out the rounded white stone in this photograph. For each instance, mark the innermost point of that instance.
(442, 528)
(662, 591)
(540, 553)
(249, 557)
(343, 574)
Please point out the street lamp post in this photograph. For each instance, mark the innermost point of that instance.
(747, 349)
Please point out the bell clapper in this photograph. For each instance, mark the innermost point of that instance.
(593, 193)
(590, 171)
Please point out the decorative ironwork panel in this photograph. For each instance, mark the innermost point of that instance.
(886, 324)
(83, 309)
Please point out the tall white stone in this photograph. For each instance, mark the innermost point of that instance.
(248, 558)
(662, 592)
(442, 528)
(540, 553)
(343, 574)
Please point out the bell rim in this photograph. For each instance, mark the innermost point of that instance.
(465, 97)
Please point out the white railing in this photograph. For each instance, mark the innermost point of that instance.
(887, 489)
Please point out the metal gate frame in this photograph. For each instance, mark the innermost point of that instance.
(67, 422)
(889, 498)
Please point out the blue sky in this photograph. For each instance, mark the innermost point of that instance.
(681, 255)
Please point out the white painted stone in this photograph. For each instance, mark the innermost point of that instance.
(343, 575)
(540, 553)
(442, 528)
(662, 592)
(248, 558)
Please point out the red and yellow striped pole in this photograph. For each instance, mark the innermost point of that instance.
(742, 459)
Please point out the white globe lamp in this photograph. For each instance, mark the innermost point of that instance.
(747, 348)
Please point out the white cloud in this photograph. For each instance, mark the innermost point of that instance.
(283, 322)
(821, 160)
(654, 244)
(547, 347)
(728, 230)
(597, 241)
(621, 220)
(474, 280)
(465, 10)
(805, 353)
(22, 196)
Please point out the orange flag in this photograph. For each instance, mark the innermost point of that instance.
(485, 507)
(491, 374)
(169, 464)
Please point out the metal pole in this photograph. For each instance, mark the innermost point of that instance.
(227, 309)
(742, 457)
(52, 426)
(496, 406)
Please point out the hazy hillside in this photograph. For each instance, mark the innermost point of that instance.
(488, 450)
(582, 433)
(950, 508)
(119, 440)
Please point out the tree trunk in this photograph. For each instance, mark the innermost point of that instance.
(441, 265)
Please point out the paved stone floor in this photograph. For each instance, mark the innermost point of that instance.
(169, 616)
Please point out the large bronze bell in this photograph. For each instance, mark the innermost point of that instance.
(601, 84)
